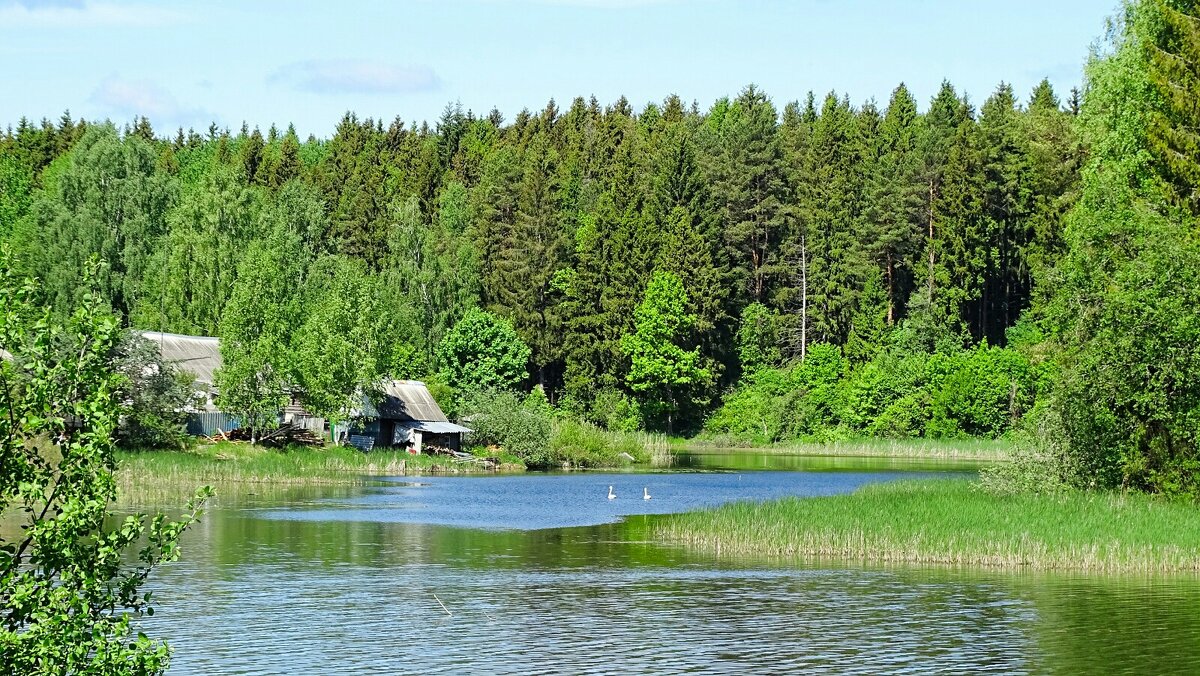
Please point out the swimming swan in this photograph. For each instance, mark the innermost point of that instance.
(611, 495)
(645, 493)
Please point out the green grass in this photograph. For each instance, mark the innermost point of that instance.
(961, 449)
(955, 522)
(581, 444)
(227, 462)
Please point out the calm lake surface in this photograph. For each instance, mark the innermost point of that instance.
(543, 574)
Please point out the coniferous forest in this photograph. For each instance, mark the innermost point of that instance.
(821, 268)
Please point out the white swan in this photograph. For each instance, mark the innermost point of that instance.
(645, 493)
(611, 495)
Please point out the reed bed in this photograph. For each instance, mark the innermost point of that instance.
(242, 463)
(952, 449)
(955, 523)
(658, 448)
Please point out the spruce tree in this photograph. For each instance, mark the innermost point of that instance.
(749, 188)
(894, 200)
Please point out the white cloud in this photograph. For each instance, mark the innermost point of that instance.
(83, 13)
(126, 99)
(356, 76)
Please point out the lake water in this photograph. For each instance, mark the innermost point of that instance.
(543, 574)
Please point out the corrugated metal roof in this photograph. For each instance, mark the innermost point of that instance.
(198, 355)
(435, 427)
(405, 400)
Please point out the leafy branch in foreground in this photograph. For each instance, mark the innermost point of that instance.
(71, 577)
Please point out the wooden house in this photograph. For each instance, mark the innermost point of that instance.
(200, 356)
(403, 414)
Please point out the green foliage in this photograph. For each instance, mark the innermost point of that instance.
(1125, 314)
(256, 332)
(71, 576)
(108, 201)
(661, 369)
(614, 410)
(873, 231)
(980, 392)
(501, 418)
(758, 339)
(482, 352)
(16, 183)
(334, 350)
(158, 395)
(531, 431)
(582, 444)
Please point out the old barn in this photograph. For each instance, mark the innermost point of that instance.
(404, 415)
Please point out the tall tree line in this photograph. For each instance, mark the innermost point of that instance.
(837, 220)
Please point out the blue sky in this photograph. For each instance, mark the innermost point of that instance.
(308, 62)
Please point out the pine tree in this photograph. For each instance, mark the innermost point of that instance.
(289, 165)
(1053, 157)
(1004, 287)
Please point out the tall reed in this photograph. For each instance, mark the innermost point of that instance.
(954, 522)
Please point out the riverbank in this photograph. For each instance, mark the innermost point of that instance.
(227, 462)
(956, 523)
(984, 450)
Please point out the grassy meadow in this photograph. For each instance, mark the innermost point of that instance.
(955, 522)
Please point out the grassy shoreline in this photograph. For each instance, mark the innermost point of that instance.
(954, 523)
(998, 450)
(226, 462)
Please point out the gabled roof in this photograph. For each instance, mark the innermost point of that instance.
(405, 400)
(198, 355)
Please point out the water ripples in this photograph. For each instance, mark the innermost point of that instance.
(281, 591)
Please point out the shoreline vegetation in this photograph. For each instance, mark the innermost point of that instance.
(573, 446)
(237, 462)
(994, 450)
(226, 462)
(954, 522)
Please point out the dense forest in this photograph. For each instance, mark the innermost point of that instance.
(818, 271)
(903, 245)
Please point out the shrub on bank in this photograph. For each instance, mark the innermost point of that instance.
(950, 393)
(582, 444)
(530, 429)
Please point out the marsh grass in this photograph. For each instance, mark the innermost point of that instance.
(955, 522)
(581, 444)
(961, 449)
(227, 462)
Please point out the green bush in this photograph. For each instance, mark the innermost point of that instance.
(615, 410)
(981, 393)
(500, 418)
(950, 393)
(157, 394)
(529, 429)
(754, 410)
(582, 444)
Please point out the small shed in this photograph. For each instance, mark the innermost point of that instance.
(405, 415)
